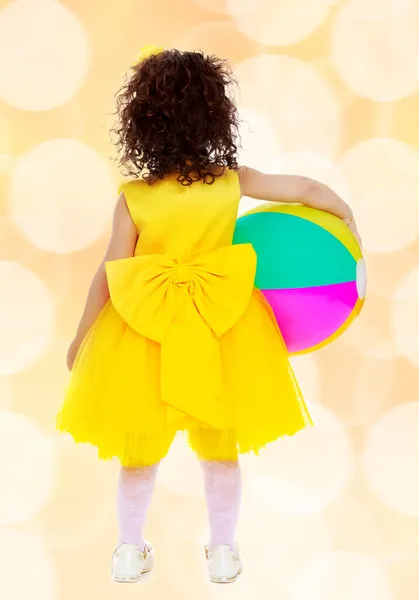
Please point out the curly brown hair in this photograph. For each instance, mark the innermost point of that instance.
(176, 114)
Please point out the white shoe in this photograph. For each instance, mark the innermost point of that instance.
(223, 565)
(129, 563)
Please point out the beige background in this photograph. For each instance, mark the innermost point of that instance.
(329, 89)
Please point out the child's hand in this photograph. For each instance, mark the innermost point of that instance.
(350, 222)
(72, 353)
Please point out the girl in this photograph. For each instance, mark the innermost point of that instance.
(174, 336)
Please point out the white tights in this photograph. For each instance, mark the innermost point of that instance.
(223, 486)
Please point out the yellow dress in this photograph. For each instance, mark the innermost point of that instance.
(185, 343)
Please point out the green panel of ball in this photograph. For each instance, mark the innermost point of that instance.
(297, 253)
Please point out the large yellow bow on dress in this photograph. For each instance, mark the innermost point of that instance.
(186, 307)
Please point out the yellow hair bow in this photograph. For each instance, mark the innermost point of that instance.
(146, 52)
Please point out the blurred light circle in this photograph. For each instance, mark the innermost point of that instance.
(360, 522)
(343, 575)
(258, 139)
(391, 459)
(297, 539)
(12, 247)
(391, 234)
(26, 318)
(309, 164)
(48, 380)
(56, 275)
(383, 175)
(27, 568)
(306, 371)
(27, 469)
(259, 142)
(285, 482)
(83, 500)
(386, 270)
(296, 98)
(62, 195)
(186, 481)
(405, 316)
(372, 390)
(275, 23)
(376, 10)
(44, 54)
(377, 58)
(371, 335)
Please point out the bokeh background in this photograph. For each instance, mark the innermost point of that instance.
(328, 89)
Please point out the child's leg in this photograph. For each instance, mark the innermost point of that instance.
(135, 490)
(223, 487)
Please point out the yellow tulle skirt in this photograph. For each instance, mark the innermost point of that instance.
(114, 398)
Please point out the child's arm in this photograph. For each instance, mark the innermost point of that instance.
(294, 188)
(121, 245)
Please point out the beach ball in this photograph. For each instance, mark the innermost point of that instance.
(310, 269)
